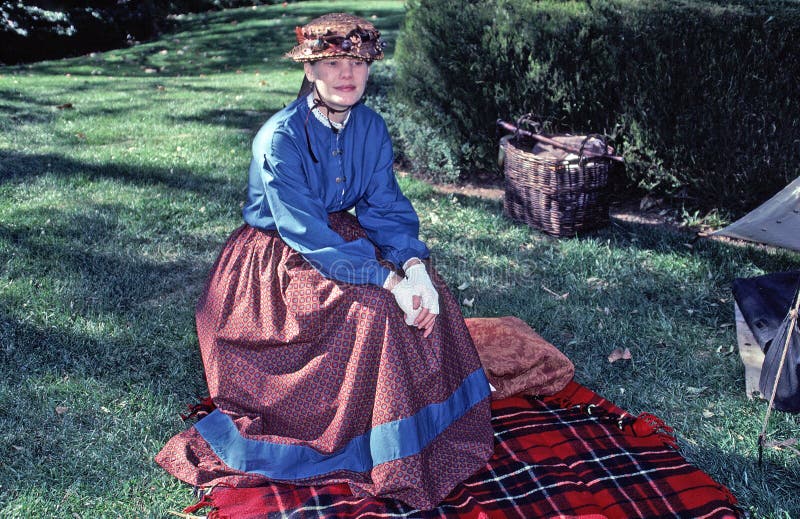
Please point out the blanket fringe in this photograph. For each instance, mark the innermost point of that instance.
(647, 424)
(204, 502)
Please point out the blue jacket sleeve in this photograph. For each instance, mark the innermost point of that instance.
(302, 220)
(387, 215)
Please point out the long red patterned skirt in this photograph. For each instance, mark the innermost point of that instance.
(318, 381)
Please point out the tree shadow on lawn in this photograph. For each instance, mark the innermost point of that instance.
(43, 110)
(246, 120)
(113, 324)
(34, 109)
(755, 486)
(83, 306)
(38, 111)
(22, 167)
(119, 402)
(91, 264)
(34, 350)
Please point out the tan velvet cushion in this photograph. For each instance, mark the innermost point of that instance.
(517, 359)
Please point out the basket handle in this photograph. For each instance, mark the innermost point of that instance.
(532, 121)
(607, 154)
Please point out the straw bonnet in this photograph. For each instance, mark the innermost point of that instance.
(337, 35)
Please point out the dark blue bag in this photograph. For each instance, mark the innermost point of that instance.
(766, 303)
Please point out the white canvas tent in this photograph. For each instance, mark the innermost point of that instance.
(775, 222)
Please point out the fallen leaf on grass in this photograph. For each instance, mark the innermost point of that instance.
(468, 302)
(708, 414)
(60, 409)
(18, 448)
(619, 354)
(464, 285)
(695, 390)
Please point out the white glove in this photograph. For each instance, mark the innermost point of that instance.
(404, 293)
(421, 281)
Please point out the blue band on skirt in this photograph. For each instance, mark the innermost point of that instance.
(385, 442)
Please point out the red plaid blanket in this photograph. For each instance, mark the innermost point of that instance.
(573, 454)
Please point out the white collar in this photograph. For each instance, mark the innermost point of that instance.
(321, 117)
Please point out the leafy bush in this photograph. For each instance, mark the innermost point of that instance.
(423, 146)
(699, 96)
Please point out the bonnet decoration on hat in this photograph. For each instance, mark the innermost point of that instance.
(337, 35)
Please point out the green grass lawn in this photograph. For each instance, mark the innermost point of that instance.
(121, 174)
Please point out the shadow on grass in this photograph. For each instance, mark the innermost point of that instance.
(246, 120)
(36, 350)
(756, 487)
(89, 273)
(34, 109)
(22, 167)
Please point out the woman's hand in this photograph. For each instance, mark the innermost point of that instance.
(428, 297)
(425, 319)
(415, 295)
(405, 294)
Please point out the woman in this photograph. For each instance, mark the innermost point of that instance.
(331, 352)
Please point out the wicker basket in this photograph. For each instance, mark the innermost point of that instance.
(553, 191)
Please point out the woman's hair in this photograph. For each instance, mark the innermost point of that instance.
(305, 88)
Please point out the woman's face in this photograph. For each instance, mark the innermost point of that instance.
(340, 81)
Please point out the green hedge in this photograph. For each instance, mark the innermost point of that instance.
(701, 98)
